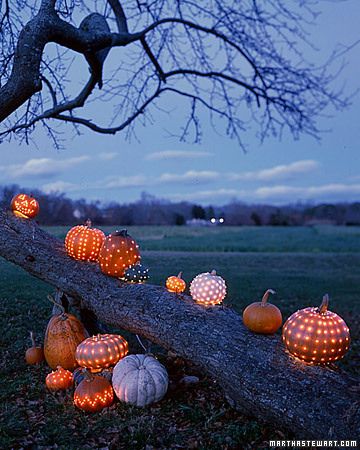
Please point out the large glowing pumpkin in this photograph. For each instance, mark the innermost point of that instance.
(25, 206)
(208, 288)
(316, 335)
(93, 393)
(84, 242)
(119, 251)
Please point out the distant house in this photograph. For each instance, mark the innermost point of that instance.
(198, 223)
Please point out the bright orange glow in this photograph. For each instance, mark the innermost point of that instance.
(83, 242)
(25, 206)
(175, 284)
(59, 379)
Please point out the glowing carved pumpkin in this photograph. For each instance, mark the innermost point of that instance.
(118, 252)
(176, 284)
(93, 393)
(263, 317)
(25, 206)
(136, 274)
(140, 380)
(84, 243)
(208, 288)
(316, 335)
(101, 351)
(63, 334)
(59, 379)
(34, 354)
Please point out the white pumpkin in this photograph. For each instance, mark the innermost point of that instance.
(208, 288)
(140, 380)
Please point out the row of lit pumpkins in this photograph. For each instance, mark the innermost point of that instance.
(101, 366)
(314, 335)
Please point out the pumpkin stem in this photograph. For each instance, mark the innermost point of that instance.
(123, 233)
(32, 337)
(324, 304)
(266, 296)
(88, 223)
(88, 376)
(58, 304)
(213, 272)
(179, 275)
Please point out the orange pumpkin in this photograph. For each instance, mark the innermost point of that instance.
(25, 206)
(101, 351)
(118, 252)
(316, 335)
(34, 354)
(176, 284)
(263, 317)
(59, 379)
(93, 393)
(83, 242)
(63, 334)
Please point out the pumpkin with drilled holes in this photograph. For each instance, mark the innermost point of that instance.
(25, 206)
(84, 242)
(63, 334)
(263, 317)
(208, 288)
(136, 274)
(176, 284)
(119, 251)
(59, 379)
(316, 335)
(101, 351)
(34, 354)
(140, 380)
(93, 393)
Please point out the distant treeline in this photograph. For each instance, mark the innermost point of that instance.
(57, 209)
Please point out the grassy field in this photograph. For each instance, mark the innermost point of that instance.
(301, 264)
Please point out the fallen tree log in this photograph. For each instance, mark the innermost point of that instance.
(255, 372)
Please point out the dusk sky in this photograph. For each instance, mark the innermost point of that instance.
(216, 171)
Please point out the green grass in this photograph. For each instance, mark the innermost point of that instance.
(300, 264)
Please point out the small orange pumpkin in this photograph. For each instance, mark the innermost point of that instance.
(34, 354)
(93, 393)
(63, 334)
(83, 242)
(316, 335)
(101, 351)
(25, 206)
(59, 379)
(263, 317)
(118, 252)
(176, 284)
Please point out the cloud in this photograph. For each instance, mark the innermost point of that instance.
(177, 154)
(329, 191)
(107, 156)
(208, 195)
(191, 176)
(59, 186)
(125, 182)
(277, 172)
(42, 167)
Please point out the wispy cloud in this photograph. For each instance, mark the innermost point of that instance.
(177, 154)
(334, 191)
(208, 195)
(125, 182)
(191, 176)
(107, 156)
(60, 186)
(42, 167)
(282, 171)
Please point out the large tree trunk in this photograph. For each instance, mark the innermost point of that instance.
(255, 372)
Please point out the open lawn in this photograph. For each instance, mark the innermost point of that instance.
(301, 264)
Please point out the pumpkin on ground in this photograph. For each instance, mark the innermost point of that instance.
(118, 252)
(136, 273)
(208, 288)
(63, 334)
(316, 335)
(59, 379)
(140, 380)
(263, 317)
(25, 206)
(84, 242)
(101, 351)
(34, 354)
(93, 393)
(176, 284)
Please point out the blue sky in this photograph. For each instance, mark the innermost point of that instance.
(217, 171)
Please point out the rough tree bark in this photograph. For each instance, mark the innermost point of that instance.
(255, 372)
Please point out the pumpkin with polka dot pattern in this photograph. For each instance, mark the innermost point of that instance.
(316, 335)
(84, 242)
(118, 252)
